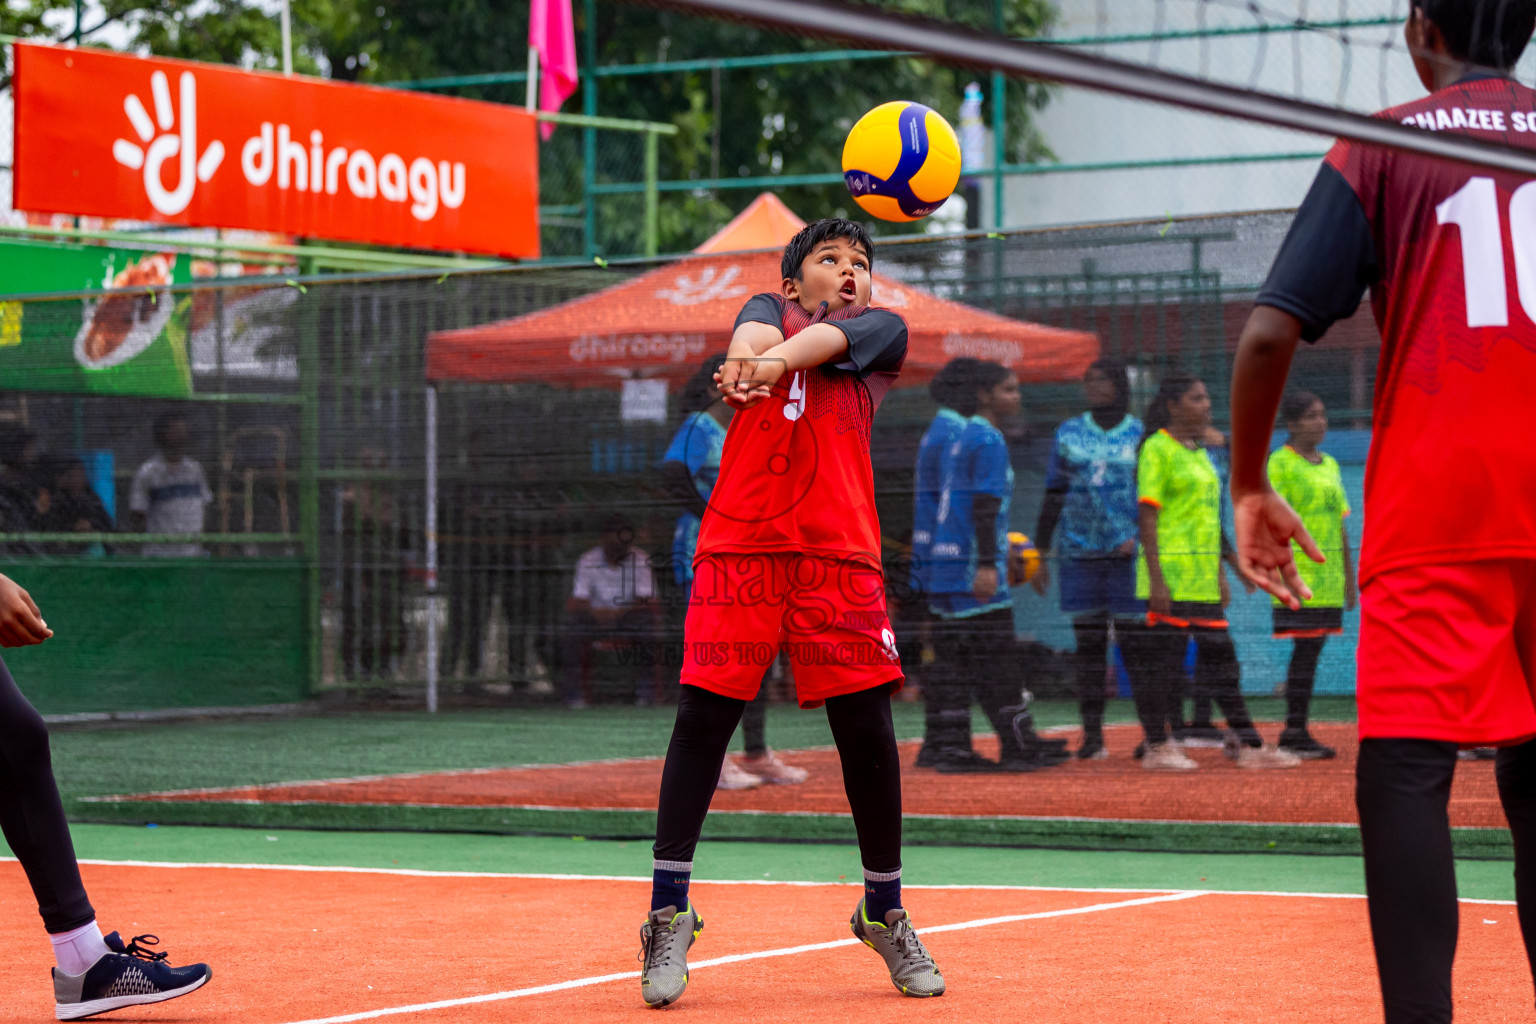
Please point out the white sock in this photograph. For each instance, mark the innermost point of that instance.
(76, 950)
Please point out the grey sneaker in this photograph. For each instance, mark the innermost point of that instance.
(912, 969)
(665, 939)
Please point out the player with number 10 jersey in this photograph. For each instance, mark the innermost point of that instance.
(1451, 252)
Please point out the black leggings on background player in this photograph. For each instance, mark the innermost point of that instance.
(32, 815)
(1160, 652)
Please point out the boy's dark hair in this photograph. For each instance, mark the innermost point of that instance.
(1175, 385)
(1488, 33)
(1296, 404)
(817, 232)
(980, 375)
(949, 381)
(163, 425)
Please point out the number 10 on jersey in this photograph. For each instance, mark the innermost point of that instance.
(1475, 210)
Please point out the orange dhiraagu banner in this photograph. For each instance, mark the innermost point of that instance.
(101, 134)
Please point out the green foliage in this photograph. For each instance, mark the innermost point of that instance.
(781, 120)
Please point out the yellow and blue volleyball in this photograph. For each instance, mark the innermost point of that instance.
(901, 161)
(1023, 559)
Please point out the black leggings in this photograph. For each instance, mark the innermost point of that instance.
(975, 658)
(32, 815)
(1402, 790)
(866, 743)
(754, 723)
(1092, 632)
(1157, 677)
(1300, 679)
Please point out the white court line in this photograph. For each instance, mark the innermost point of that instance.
(496, 997)
(646, 879)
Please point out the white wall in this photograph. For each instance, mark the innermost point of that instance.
(1370, 72)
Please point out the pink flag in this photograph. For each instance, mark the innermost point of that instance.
(552, 32)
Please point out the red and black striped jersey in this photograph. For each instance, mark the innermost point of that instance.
(795, 474)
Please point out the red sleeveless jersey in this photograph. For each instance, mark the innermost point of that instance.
(795, 472)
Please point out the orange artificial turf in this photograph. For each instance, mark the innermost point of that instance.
(293, 945)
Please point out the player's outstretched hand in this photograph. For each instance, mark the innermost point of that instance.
(21, 624)
(747, 381)
(1266, 525)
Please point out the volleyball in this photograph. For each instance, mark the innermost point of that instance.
(1023, 559)
(901, 161)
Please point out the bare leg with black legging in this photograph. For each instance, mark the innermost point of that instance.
(32, 815)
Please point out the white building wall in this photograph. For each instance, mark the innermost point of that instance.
(1364, 69)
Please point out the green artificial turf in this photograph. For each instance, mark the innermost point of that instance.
(814, 862)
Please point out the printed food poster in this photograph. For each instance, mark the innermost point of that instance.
(131, 340)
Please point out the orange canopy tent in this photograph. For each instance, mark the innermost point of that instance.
(663, 323)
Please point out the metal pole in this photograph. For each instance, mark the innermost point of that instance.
(652, 217)
(589, 136)
(999, 125)
(431, 531)
(532, 102)
(79, 14)
(309, 469)
(287, 28)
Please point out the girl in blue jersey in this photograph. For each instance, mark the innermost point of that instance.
(1090, 509)
(927, 483)
(967, 585)
(690, 467)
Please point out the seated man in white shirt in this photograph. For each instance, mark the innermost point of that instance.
(169, 492)
(614, 598)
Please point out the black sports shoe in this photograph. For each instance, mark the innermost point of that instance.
(926, 756)
(130, 975)
(955, 761)
(1301, 743)
(1092, 748)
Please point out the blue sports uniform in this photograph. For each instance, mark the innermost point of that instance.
(977, 463)
(1096, 470)
(697, 445)
(928, 483)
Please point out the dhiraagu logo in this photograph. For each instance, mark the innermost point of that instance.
(275, 155)
(162, 139)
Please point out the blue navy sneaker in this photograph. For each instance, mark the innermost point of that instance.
(130, 975)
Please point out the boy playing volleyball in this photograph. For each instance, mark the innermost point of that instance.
(789, 557)
(1447, 654)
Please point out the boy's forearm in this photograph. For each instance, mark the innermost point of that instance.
(753, 339)
(1259, 373)
(817, 344)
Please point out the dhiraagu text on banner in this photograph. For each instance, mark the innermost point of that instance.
(131, 340)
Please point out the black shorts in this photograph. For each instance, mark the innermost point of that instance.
(1307, 622)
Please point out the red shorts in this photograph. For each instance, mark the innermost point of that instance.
(828, 614)
(1448, 652)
